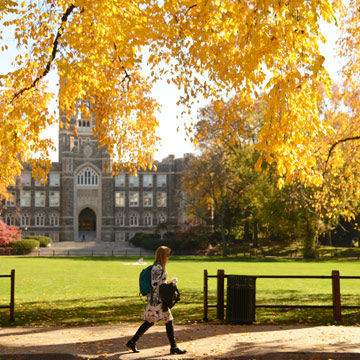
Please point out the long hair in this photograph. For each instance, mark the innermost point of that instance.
(162, 255)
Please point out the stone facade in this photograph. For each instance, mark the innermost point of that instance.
(81, 202)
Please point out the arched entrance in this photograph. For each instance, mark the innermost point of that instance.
(87, 225)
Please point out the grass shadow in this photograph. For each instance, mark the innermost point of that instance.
(114, 310)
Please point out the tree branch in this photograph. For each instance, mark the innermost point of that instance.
(337, 143)
(189, 8)
(127, 76)
(53, 53)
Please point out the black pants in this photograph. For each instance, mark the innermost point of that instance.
(147, 325)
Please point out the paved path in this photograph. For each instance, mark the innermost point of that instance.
(89, 248)
(202, 341)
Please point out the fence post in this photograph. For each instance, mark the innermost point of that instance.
(220, 295)
(336, 295)
(12, 297)
(205, 295)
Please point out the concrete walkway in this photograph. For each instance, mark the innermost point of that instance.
(91, 248)
(202, 341)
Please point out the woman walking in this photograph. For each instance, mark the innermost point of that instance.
(154, 310)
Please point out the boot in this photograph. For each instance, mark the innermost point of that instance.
(131, 344)
(174, 349)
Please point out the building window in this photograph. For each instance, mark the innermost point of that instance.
(120, 180)
(148, 198)
(40, 198)
(39, 184)
(26, 179)
(39, 219)
(25, 219)
(12, 200)
(133, 181)
(148, 219)
(82, 123)
(54, 219)
(54, 179)
(87, 177)
(120, 219)
(54, 198)
(134, 198)
(120, 236)
(25, 198)
(9, 219)
(134, 219)
(161, 199)
(119, 198)
(148, 181)
(161, 218)
(160, 180)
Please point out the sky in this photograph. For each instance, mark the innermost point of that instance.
(171, 132)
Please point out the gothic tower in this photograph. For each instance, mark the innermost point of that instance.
(86, 190)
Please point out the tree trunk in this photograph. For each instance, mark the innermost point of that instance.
(309, 241)
(223, 237)
(247, 235)
(329, 238)
(255, 235)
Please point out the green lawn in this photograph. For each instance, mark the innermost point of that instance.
(104, 290)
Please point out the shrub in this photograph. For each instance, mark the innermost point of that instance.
(25, 246)
(44, 240)
(183, 242)
(32, 237)
(8, 233)
(147, 241)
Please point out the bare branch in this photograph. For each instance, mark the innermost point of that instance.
(53, 53)
(127, 76)
(337, 143)
(189, 8)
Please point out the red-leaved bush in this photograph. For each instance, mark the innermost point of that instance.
(8, 233)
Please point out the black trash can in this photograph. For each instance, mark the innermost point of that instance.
(240, 305)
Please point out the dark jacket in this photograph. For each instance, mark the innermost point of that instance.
(169, 294)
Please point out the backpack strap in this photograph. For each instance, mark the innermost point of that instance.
(152, 289)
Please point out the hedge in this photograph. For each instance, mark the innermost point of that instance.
(180, 244)
(25, 246)
(44, 240)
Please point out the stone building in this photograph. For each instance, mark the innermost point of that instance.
(81, 202)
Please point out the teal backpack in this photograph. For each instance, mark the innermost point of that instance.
(145, 281)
